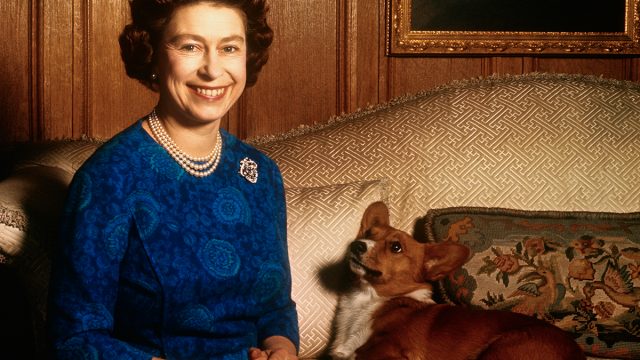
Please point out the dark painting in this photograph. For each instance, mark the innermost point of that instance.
(602, 16)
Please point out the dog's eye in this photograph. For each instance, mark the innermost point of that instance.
(396, 247)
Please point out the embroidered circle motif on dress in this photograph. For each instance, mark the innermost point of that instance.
(76, 349)
(195, 317)
(219, 258)
(96, 316)
(269, 282)
(163, 164)
(234, 357)
(230, 207)
(145, 209)
(116, 234)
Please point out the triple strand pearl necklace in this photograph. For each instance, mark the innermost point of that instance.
(196, 166)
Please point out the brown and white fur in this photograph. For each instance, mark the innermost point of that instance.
(391, 314)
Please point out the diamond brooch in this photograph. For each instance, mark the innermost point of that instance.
(249, 170)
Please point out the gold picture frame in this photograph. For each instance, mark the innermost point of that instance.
(613, 33)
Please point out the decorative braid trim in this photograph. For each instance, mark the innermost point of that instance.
(13, 218)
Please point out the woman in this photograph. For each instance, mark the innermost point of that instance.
(173, 240)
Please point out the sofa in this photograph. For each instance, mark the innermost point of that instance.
(539, 174)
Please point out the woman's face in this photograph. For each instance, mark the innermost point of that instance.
(202, 63)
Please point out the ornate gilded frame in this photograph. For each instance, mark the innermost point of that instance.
(401, 39)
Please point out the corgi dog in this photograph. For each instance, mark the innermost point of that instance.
(390, 313)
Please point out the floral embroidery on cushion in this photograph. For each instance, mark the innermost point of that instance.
(579, 271)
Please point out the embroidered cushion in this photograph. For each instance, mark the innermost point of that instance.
(30, 204)
(577, 270)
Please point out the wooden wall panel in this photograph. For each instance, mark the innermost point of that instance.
(363, 65)
(57, 68)
(507, 65)
(299, 84)
(15, 71)
(409, 75)
(114, 100)
(607, 67)
(79, 121)
(63, 78)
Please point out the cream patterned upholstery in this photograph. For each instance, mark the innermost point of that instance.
(536, 142)
(321, 222)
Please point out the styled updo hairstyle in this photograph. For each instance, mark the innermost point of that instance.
(140, 39)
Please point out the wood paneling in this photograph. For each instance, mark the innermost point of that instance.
(408, 75)
(607, 67)
(363, 64)
(299, 84)
(15, 71)
(57, 73)
(79, 121)
(63, 78)
(114, 100)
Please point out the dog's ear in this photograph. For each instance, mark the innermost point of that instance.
(376, 214)
(443, 258)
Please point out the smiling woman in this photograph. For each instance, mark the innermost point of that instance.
(173, 240)
(200, 67)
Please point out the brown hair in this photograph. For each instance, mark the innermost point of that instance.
(140, 38)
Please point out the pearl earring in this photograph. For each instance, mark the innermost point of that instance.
(154, 77)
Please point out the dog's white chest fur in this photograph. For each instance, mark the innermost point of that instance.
(354, 319)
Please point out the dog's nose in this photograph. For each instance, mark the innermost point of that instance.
(358, 247)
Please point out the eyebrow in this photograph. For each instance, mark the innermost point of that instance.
(229, 38)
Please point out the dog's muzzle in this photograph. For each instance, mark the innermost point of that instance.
(356, 250)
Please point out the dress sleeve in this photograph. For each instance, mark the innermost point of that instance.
(84, 282)
(282, 320)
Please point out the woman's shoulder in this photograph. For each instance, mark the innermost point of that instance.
(117, 153)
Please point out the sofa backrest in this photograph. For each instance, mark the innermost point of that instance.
(535, 141)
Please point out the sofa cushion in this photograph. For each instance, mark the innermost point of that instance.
(30, 204)
(321, 222)
(535, 141)
(31, 200)
(578, 270)
(67, 155)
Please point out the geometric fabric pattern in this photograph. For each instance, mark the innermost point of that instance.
(67, 155)
(322, 221)
(534, 141)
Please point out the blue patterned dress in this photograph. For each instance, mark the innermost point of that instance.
(155, 262)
